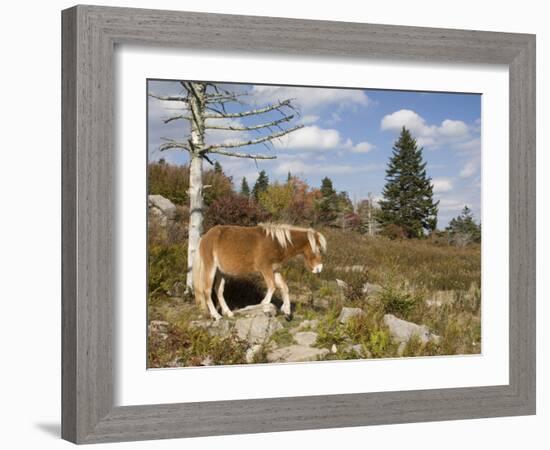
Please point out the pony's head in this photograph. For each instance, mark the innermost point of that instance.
(312, 252)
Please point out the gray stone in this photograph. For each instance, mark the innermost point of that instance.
(321, 303)
(297, 353)
(347, 313)
(160, 205)
(334, 349)
(308, 324)
(257, 310)
(257, 329)
(403, 331)
(341, 284)
(251, 353)
(371, 289)
(306, 338)
(354, 269)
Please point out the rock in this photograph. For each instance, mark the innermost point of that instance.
(256, 328)
(401, 348)
(161, 207)
(355, 268)
(251, 353)
(308, 325)
(320, 303)
(341, 284)
(306, 338)
(257, 310)
(334, 349)
(347, 313)
(403, 331)
(371, 289)
(297, 353)
(158, 325)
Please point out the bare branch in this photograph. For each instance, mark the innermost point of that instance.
(169, 98)
(242, 155)
(252, 112)
(250, 128)
(178, 117)
(171, 144)
(270, 137)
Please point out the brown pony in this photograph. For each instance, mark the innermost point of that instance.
(237, 251)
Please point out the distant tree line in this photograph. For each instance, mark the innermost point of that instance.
(406, 210)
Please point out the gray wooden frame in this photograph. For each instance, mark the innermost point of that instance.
(89, 36)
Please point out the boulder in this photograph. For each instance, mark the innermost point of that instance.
(371, 289)
(258, 323)
(403, 331)
(297, 353)
(348, 313)
(306, 338)
(161, 208)
(251, 353)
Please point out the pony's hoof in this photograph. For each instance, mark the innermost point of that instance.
(288, 317)
(229, 314)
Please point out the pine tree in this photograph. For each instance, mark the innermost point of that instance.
(408, 194)
(463, 229)
(261, 185)
(245, 189)
(218, 167)
(327, 206)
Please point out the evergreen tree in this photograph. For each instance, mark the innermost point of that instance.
(408, 193)
(261, 185)
(463, 229)
(245, 190)
(289, 177)
(218, 167)
(327, 206)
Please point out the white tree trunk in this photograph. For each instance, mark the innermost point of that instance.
(197, 106)
(195, 214)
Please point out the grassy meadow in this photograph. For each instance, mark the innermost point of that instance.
(425, 281)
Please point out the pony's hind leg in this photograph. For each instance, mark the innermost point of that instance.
(270, 282)
(208, 282)
(219, 284)
(281, 284)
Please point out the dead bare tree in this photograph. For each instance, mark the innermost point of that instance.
(204, 108)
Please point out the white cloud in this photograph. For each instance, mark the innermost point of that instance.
(362, 147)
(304, 167)
(310, 118)
(312, 138)
(442, 185)
(309, 99)
(469, 169)
(453, 128)
(469, 145)
(427, 135)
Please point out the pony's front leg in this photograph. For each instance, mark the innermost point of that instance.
(270, 282)
(281, 284)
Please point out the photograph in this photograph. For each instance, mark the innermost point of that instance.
(291, 223)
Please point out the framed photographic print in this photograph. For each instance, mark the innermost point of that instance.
(265, 229)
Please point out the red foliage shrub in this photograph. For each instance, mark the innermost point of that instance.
(234, 209)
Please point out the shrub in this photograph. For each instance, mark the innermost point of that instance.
(393, 231)
(398, 301)
(166, 265)
(234, 209)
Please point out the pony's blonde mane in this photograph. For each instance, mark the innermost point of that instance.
(281, 233)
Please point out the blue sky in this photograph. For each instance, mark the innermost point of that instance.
(347, 135)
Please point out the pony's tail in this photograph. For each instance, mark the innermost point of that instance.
(198, 278)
